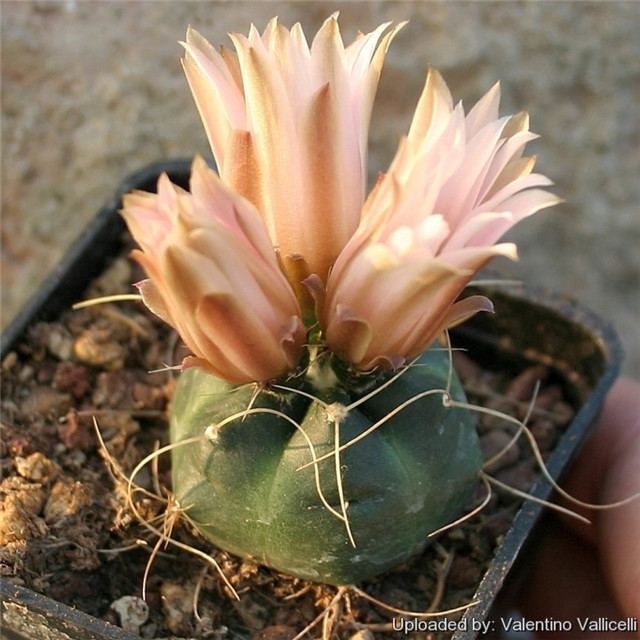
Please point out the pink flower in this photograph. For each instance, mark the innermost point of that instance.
(456, 185)
(213, 276)
(285, 232)
(288, 125)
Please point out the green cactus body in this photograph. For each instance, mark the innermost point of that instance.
(243, 488)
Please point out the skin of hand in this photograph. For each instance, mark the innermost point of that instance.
(594, 570)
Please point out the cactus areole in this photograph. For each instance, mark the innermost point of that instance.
(247, 479)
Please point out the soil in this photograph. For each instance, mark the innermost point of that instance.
(68, 530)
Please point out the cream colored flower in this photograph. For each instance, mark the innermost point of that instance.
(456, 185)
(214, 277)
(288, 125)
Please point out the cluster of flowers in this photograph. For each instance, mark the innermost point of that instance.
(283, 239)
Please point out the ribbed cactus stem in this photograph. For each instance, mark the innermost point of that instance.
(333, 476)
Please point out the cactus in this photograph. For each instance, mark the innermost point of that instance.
(247, 484)
(340, 472)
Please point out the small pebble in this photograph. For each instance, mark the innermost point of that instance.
(133, 612)
(43, 401)
(72, 378)
(59, 343)
(519, 476)
(145, 396)
(67, 498)
(97, 348)
(523, 385)
(121, 421)
(113, 389)
(26, 373)
(546, 434)
(464, 572)
(20, 515)
(10, 360)
(549, 396)
(495, 441)
(466, 368)
(177, 604)
(19, 445)
(36, 468)
(76, 432)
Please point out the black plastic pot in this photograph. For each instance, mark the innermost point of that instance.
(529, 326)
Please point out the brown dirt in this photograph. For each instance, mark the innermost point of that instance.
(68, 531)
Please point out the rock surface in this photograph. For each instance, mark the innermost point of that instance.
(92, 91)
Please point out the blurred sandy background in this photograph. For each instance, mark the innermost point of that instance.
(93, 90)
